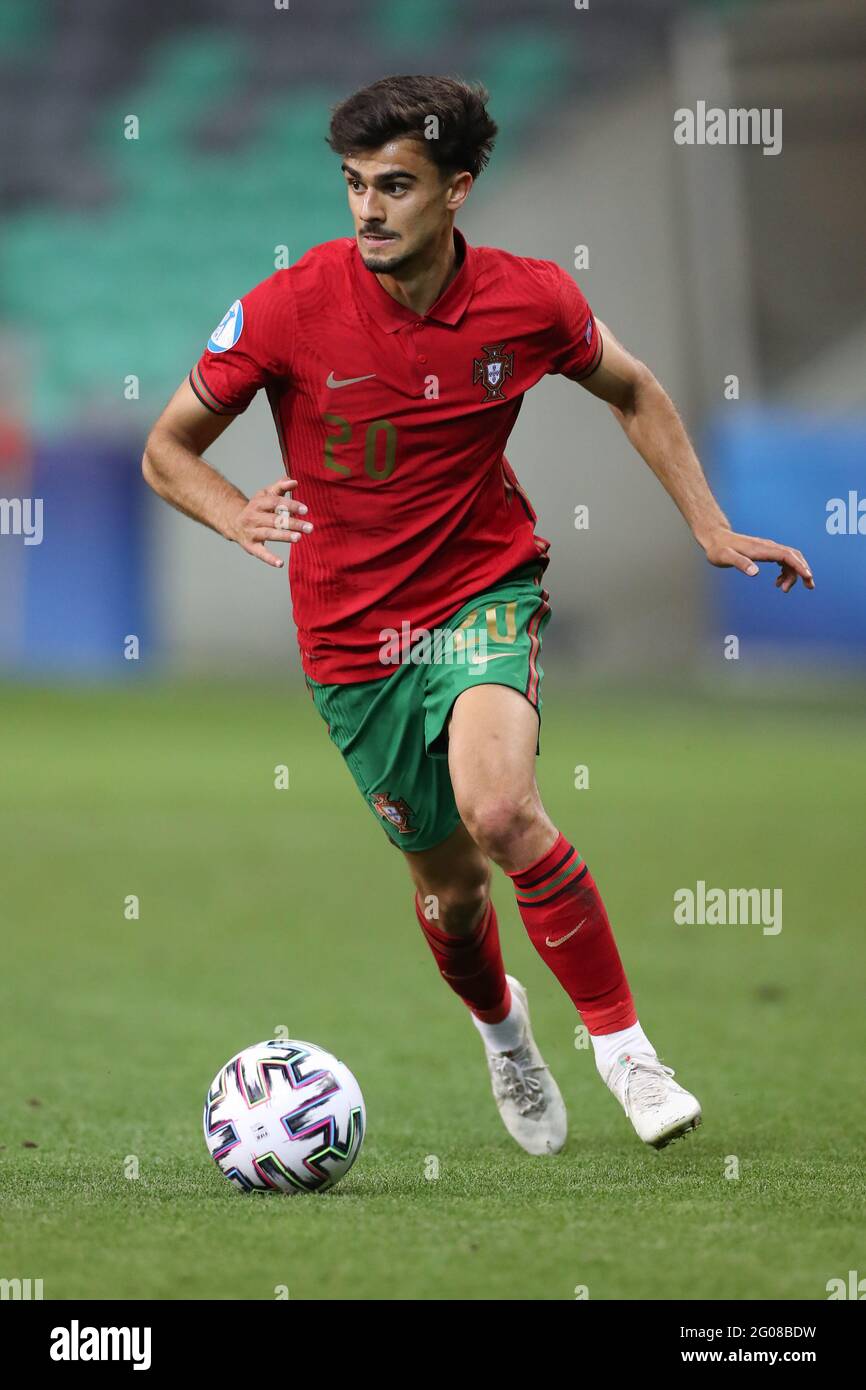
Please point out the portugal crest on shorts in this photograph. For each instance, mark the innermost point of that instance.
(396, 812)
(492, 370)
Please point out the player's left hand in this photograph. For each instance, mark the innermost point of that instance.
(728, 549)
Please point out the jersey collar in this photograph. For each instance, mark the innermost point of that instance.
(449, 307)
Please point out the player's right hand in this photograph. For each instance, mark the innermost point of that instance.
(270, 515)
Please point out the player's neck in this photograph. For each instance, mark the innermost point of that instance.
(421, 289)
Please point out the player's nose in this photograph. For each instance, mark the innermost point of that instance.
(371, 212)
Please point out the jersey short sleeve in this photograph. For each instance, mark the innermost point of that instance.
(249, 348)
(576, 341)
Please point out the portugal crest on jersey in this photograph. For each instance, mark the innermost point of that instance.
(395, 811)
(492, 370)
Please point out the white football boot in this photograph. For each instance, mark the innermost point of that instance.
(528, 1098)
(659, 1108)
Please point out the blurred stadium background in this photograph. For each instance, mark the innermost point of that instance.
(117, 257)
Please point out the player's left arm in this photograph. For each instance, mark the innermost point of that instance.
(651, 422)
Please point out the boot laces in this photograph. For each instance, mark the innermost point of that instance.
(646, 1084)
(515, 1079)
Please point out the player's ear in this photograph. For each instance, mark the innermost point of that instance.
(458, 189)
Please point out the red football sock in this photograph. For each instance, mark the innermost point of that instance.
(472, 965)
(564, 915)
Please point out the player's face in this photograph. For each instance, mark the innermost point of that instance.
(400, 203)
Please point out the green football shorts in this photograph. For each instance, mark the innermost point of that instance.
(393, 732)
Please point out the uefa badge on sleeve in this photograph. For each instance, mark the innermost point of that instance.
(228, 330)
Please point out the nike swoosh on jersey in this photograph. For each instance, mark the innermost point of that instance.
(561, 941)
(481, 660)
(348, 381)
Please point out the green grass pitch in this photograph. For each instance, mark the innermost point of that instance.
(262, 908)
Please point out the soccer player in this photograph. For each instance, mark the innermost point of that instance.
(395, 363)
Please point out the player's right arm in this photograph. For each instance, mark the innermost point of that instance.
(173, 466)
(237, 362)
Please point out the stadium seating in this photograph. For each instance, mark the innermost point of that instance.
(119, 255)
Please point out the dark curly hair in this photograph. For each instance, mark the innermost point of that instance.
(402, 106)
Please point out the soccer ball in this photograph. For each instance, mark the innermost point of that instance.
(284, 1116)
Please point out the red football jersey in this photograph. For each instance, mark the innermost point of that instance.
(395, 426)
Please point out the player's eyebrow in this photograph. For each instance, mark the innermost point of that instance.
(380, 179)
